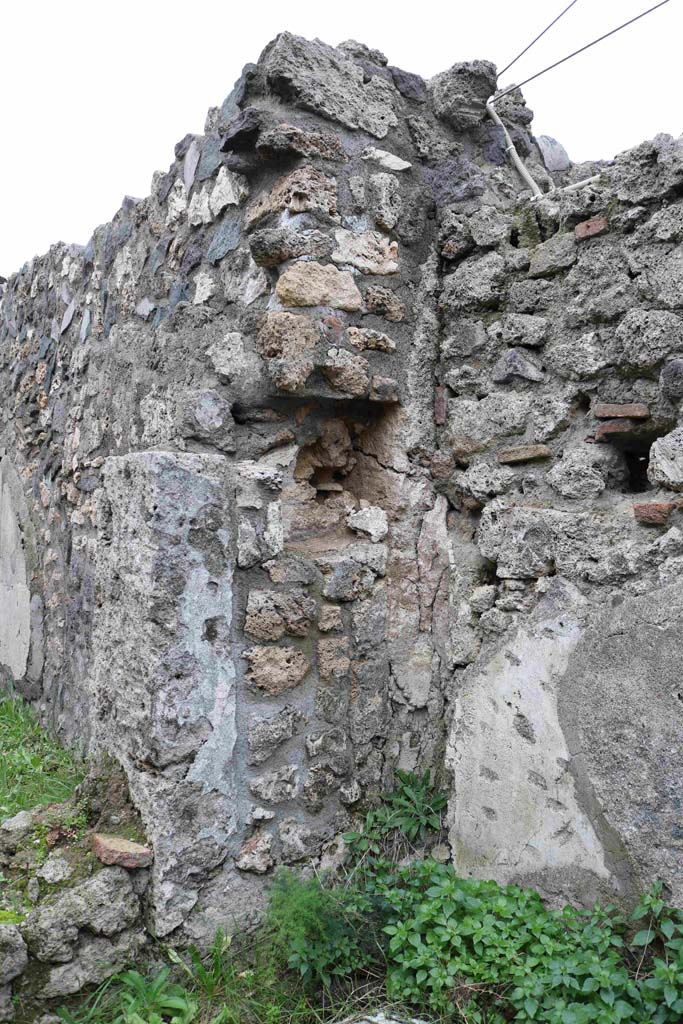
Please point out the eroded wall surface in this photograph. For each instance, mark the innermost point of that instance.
(338, 455)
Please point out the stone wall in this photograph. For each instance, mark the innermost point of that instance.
(337, 454)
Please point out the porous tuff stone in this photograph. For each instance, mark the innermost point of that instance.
(276, 669)
(324, 80)
(304, 190)
(312, 284)
(363, 338)
(104, 905)
(460, 94)
(665, 466)
(13, 954)
(370, 252)
(266, 735)
(270, 615)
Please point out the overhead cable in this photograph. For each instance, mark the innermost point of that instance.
(557, 63)
(526, 48)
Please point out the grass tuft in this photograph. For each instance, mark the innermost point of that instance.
(34, 769)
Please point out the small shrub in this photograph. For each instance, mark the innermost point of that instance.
(321, 933)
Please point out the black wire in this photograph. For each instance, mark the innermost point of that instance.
(508, 66)
(576, 52)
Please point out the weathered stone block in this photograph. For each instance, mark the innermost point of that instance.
(319, 78)
(371, 520)
(384, 302)
(460, 94)
(346, 372)
(277, 786)
(520, 329)
(266, 735)
(288, 342)
(370, 252)
(558, 253)
(270, 614)
(104, 905)
(304, 141)
(276, 669)
(305, 190)
(272, 246)
(312, 284)
(364, 339)
(13, 953)
(333, 657)
(647, 336)
(256, 854)
(478, 282)
(516, 363)
(665, 467)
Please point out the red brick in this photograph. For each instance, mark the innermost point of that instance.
(439, 406)
(525, 453)
(611, 430)
(116, 850)
(654, 513)
(612, 411)
(591, 228)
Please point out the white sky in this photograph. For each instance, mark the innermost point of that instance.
(95, 94)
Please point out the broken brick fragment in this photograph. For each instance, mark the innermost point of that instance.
(613, 430)
(592, 228)
(117, 850)
(654, 513)
(439, 406)
(614, 411)
(525, 453)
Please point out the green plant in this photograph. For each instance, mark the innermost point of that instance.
(55, 827)
(139, 1000)
(208, 973)
(460, 950)
(455, 941)
(320, 932)
(11, 916)
(34, 769)
(154, 1001)
(409, 813)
